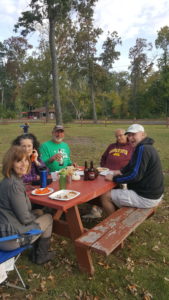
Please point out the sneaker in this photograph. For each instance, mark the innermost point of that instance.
(96, 212)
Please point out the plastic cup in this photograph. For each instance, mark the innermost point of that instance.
(69, 179)
(62, 182)
(54, 176)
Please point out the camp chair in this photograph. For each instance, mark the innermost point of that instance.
(8, 258)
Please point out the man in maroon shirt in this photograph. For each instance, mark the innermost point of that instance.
(116, 156)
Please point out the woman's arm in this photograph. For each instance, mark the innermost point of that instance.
(20, 203)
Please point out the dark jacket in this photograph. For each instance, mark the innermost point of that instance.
(143, 174)
(15, 208)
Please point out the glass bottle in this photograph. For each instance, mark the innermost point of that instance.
(61, 159)
(91, 172)
(86, 170)
(33, 156)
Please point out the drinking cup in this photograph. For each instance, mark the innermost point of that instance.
(62, 181)
(69, 179)
(43, 177)
(54, 176)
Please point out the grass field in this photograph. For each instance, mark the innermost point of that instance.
(139, 271)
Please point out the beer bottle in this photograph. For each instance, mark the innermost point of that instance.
(61, 159)
(33, 156)
(86, 170)
(91, 172)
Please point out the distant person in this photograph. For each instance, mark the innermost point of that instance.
(143, 175)
(30, 143)
(16, 214)
(116, 156)
(25, 128)
(55, 153)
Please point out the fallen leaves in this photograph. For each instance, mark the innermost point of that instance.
(130, 264)
(166, 279)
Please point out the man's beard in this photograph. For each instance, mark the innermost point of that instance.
(57, 140)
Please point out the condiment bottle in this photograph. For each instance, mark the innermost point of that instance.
(86, 170)
(91, 172)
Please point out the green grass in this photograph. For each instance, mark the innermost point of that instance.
(138, 271)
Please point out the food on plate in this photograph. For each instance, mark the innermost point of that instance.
(67, 195)
(101, 169)
(42, 191)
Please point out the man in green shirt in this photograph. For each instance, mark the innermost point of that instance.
(55, 153)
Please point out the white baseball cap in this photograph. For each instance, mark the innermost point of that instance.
(135, 128)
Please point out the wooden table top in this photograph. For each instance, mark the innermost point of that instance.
(88, 190)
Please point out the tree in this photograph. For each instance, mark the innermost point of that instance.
(85, 47)
(15, 55)
(109, 55)
(55, 11)
(140, 68)
(162, 42)
(37, 87)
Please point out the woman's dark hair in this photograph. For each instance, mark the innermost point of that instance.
(29, 136)
(15, 153)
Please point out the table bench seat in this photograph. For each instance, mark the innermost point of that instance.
(112, 231)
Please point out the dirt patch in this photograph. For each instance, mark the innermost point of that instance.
(79, 140)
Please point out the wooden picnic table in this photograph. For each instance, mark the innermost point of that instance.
(72, 227)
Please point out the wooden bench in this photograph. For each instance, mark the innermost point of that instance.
(109, 234)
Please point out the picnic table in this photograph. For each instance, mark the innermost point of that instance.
(72, 227)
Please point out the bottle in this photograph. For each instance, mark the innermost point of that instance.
(43, 177)
(61, 159)
(86, 170)
(91, 172)
(33, 156)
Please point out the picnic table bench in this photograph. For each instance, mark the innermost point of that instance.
(110, 233)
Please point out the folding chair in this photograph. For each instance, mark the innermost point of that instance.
(8, 258)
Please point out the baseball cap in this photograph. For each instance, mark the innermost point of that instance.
(58, 128)
(135, 128)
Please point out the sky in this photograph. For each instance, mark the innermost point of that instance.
(131, 19)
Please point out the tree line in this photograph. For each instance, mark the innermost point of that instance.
(66, 70)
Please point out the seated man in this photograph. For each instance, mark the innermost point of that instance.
(143, 175)
(116, 156)
(55, 153)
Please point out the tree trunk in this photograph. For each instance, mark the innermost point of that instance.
(56, 96)
(91, 88)
(47, 111)
(93, 103)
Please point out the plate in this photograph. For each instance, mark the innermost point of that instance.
(80, 168)
(64, 195)
(34, 192)
(101, 169)
(104, 173)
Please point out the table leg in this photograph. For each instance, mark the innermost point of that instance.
(76, 229)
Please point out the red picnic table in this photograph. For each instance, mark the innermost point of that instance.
(72, 227)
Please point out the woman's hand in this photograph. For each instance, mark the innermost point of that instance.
(35, 155)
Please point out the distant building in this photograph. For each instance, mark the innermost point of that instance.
(39, 113)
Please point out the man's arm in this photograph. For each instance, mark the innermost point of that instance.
(136, 168)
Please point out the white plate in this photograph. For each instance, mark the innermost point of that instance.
(64, 195)
(106, 172)
(34, 192)
(101, 169)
